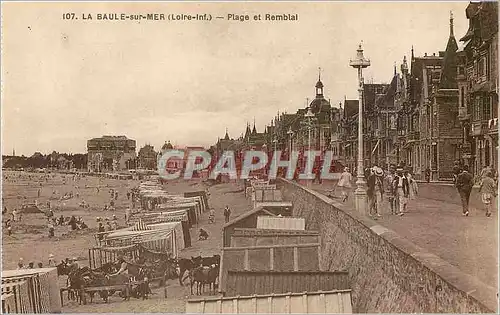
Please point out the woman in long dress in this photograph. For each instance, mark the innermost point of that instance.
(413, 187)
(345, 184)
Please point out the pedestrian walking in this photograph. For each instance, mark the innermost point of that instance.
(464, 184)
(413, 187)
(379, 190)
(318, 175)
(375, 191)
(488, 190)
(486, 169)
(51, 229)
(428, 175)
(370, 192)
(389, 190)
(456, 171)
(227, 213)
(8, 225)
(344, 183)
(52, 262)
(401, 188)
(211, 217)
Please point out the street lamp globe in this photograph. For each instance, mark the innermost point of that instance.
(360, 62)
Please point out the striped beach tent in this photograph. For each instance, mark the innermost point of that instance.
(140, 226)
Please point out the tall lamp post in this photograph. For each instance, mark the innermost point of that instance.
(309, 116)
(360, 193)
(264, 148)
(290, 135)
(275, 142)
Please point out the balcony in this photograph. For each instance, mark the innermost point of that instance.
(463, 113)
(493, 125)
(478, 128)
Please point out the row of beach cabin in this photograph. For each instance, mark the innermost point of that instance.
(270, 263)
(162, 224)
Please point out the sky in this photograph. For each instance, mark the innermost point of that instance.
(67, 81)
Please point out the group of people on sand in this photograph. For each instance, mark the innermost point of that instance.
(31, 264)
(227, 215)
(106, 225)
(15, 216)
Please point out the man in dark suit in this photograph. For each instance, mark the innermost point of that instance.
(464, 184)
(456, 171)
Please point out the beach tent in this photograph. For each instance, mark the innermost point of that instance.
(176, 217)
(159, 240)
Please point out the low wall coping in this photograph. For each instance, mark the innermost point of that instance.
(270, 246)
(258, 232)
(469, 285)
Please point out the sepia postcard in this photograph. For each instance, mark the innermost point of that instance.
(249, 157)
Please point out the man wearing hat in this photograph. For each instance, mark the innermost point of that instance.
(20, 264)
(375, 190)
(402, 189)
(51, 260)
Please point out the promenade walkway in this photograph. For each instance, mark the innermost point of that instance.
(434, 221)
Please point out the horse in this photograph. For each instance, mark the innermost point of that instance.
(209, 261)
(142, 273)
(85, 277)
(107, 268)
(184, 265)
(63, 268)
(77, 280)
(203, 275)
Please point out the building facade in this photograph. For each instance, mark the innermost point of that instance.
(110, 153)
(147, 157)
(478, 86)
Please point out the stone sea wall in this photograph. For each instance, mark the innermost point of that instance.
(387, 273)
